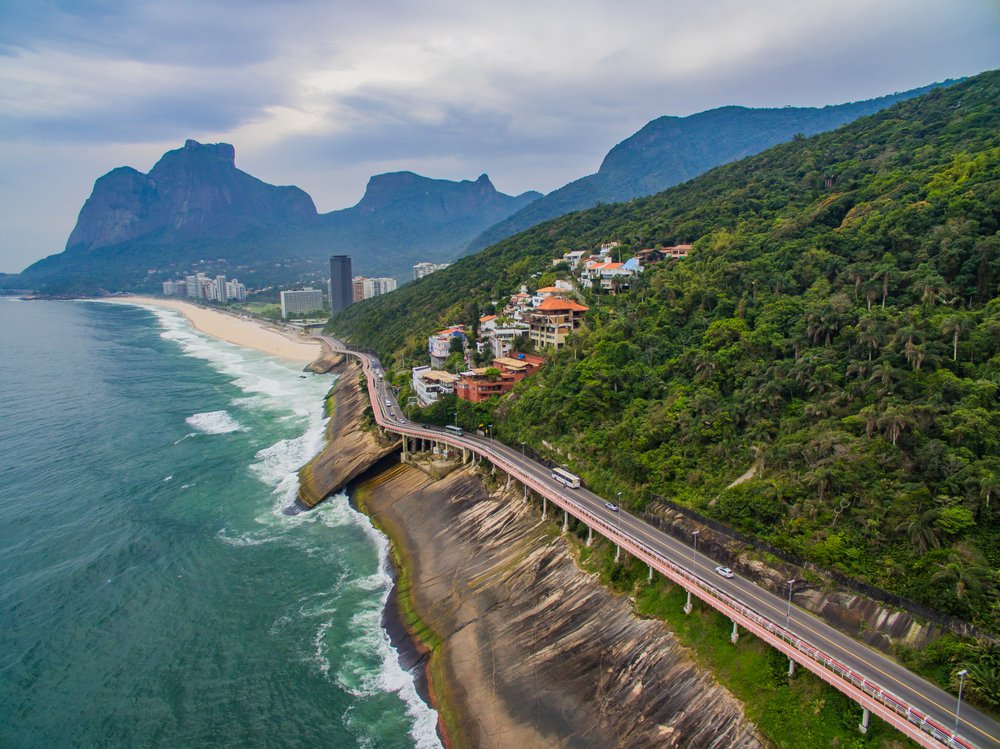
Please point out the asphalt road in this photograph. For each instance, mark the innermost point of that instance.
(974, 726)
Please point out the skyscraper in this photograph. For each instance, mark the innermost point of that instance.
(341, 288)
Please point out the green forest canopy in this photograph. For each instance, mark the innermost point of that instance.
(837, 323)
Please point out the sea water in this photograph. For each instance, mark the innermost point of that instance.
(154, 588)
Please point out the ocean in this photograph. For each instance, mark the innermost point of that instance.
(154, 589)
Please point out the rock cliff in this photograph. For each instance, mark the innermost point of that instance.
(350, 449)
(534, 652)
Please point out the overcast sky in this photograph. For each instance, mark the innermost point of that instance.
(324, 93)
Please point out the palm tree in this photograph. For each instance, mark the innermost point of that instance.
(884, 374)
(870, 336)
(895, 420)
(954, 326)
(920, 530)
(961, 576)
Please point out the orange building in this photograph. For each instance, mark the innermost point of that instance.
(477, 386)
(554, 319)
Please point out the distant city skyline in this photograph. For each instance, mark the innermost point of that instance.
(324, 95)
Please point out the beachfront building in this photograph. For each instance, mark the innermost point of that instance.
(301, 302)
(205, 289)
(553, 320)
(425, 269)
(430, 384)
(439, 344)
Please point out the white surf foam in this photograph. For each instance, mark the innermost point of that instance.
(214, 422)
(276, 387)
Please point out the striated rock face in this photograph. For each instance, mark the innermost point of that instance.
(535, 652)
(194, 191)
(350, 450)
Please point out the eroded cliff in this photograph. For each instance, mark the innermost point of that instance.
(530, 651)
(350, 449)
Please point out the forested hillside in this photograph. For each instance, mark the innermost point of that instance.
(837, 323)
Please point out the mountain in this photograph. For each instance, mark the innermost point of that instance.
(671, 150)
(836, 326)
(196, 210)
(404, 218)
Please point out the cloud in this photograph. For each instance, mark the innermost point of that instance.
(324, 94)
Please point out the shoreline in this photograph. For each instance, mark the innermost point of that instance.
(245, 332)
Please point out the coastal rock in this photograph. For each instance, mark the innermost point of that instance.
(535, 652)
(350, 448)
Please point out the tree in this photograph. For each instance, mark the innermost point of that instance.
(895, 420)
(961, 577)
(921, 530)
(954, 326)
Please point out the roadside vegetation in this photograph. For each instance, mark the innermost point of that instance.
(837, 324)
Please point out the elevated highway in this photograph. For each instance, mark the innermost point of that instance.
(880, 685)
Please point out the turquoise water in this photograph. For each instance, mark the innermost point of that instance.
(154, 590)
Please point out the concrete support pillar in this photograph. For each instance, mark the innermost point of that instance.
(735, 636)
(688, 606)
(590, 535)
(465, 455)
(791, 667)
(865, 715)
(545, 506)
(565, 521)
(507, 486)
(649, 577)
(525, 497)
(618, 552)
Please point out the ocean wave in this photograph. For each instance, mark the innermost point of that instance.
(214, 422)
(391, 676)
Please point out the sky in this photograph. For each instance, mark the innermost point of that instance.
(325, 93)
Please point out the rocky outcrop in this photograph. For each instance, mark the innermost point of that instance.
(194, 191)
(350, 449)
(531, 651)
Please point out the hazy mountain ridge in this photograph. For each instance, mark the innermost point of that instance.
(670, 150)
(194, 207)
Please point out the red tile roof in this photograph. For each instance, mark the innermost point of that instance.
(555, 303)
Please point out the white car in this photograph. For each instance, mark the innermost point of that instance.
(724, 571)
(611, 506)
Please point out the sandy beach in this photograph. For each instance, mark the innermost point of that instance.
(242, 332)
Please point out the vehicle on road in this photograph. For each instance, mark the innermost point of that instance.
(456, 430)
(611, 506)
(565, 477)
(425, 426)
(724, 571)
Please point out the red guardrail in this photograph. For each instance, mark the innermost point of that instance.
(885, 704)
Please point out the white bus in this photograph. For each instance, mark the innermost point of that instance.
(452, 429)
(565, 477)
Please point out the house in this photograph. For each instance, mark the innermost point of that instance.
(553, 320)
(430, 384)
(480, 384)
(439, 344)
(677, 250)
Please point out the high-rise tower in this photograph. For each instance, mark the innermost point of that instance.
(341, 290)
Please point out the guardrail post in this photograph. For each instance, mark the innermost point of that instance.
(735, 636)
(688, 606)
(863, 727)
